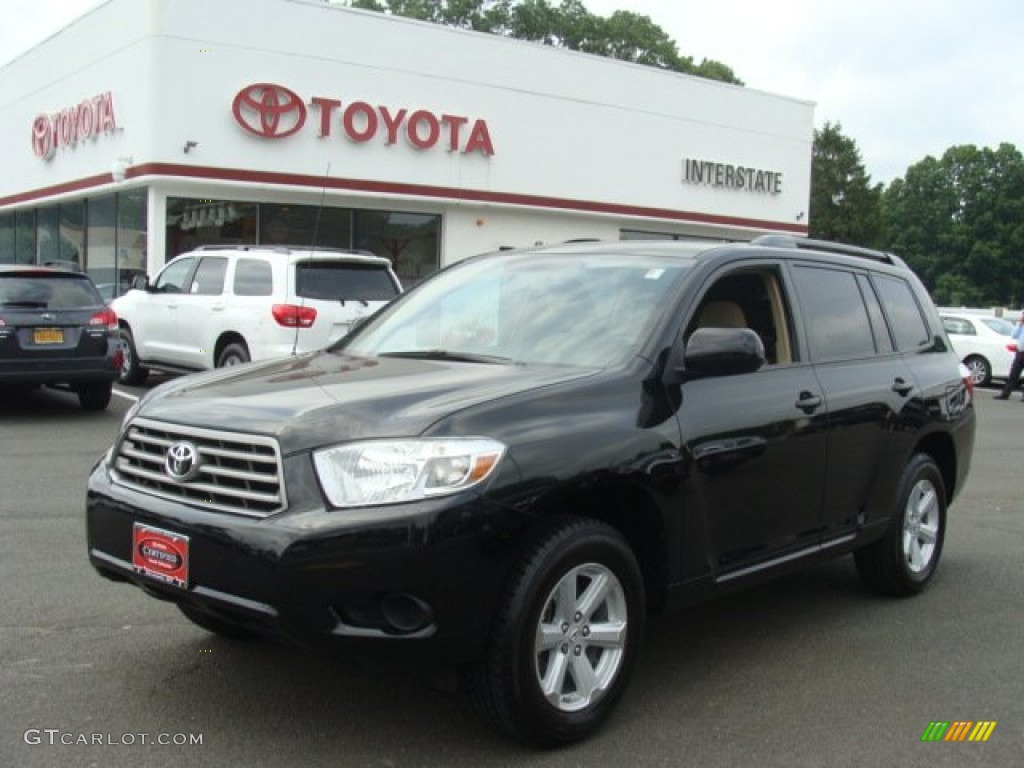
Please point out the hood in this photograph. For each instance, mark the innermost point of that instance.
(323, 397)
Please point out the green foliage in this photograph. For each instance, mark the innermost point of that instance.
(844, 206)
(959, 221)
(624, 35)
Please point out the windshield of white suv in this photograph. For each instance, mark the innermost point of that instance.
(578, 309)
(343, 281)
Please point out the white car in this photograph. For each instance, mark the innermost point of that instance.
(983, 343)
(225, 305)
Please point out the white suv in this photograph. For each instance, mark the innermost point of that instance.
(223, 305)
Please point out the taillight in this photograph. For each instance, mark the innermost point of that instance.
(107, 317)
(294, 316)
(1012, 348)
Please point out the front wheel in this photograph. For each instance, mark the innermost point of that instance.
(981, 371)
(904, 560)
(566, 637)
(132, 373)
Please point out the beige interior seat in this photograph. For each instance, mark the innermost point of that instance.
(722, 314)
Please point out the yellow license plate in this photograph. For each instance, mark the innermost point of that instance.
(48, 336)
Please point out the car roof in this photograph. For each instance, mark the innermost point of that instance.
(294, 253)
(37, 270)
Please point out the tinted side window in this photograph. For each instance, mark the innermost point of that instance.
(838, 325)
(909, 328)
(209, 277)
(253, 277)
(883, 341)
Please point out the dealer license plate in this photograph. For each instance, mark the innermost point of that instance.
(160, 554)
(48, 335)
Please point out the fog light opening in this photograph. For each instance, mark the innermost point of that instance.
(405, 613)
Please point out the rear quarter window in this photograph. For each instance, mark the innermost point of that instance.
(909, 329)
(336, 281)
(253, 277)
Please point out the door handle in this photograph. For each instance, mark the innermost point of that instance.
(901, 387)
(808, 402)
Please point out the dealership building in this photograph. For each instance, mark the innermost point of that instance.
(147, 127)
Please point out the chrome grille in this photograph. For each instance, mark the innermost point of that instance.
(236, 473)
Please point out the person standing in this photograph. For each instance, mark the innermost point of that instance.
(1018, 362)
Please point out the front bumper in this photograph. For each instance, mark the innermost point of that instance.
(422, 580)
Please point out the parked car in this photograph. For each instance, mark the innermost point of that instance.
(983, 343)
(224, 305)
(56, 331)
(513, 464)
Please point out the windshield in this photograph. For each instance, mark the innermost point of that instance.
(579, 310)
(998, 325)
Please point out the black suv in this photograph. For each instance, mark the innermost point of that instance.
(515, 463)
(55, 329)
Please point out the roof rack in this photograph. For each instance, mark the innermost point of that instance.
(786, 241)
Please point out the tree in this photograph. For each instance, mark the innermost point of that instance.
(959, 221)
(624, 35)
(844, 206)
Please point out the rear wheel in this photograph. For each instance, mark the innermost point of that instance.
(131, 372)
(233, 354)
(903, 561)
(566, 636)
(95, 397)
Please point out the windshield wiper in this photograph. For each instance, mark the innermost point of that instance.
(446, 354)
(24, 304)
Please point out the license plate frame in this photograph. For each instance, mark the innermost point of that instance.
(160, 554)
(46, 336)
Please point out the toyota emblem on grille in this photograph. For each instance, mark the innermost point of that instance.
(182, 461)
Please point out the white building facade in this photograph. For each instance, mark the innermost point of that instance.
(147, 127)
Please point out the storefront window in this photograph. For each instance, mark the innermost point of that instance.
(102, 241)
(131, 238)
(6, 238)
(305, 225)
(409, 240)
(47, 234)
(25, 237)
(192, 222)
(72, 231)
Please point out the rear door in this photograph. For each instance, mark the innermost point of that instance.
(869, 391)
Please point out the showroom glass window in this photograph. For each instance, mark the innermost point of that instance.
(192, 222)
(25, 237)
(72, 231)
(6, 238)
(305, 225)
(411, 241)
(101, 236)
(131, 237)
(48, 234)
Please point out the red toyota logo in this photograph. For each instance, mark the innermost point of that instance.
(269, 111)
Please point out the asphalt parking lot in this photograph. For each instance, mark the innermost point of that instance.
(807, 671)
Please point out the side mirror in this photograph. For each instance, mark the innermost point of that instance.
(140, 283)
(722, 352)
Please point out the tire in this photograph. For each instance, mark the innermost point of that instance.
(981, 370)
(95, 397)
(233, 354)
(215, 624)
(544, 636)
(132, 373)
(904, 560)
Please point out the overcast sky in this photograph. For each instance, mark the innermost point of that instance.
(905, 78)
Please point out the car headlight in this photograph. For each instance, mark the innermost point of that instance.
(393, 471)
